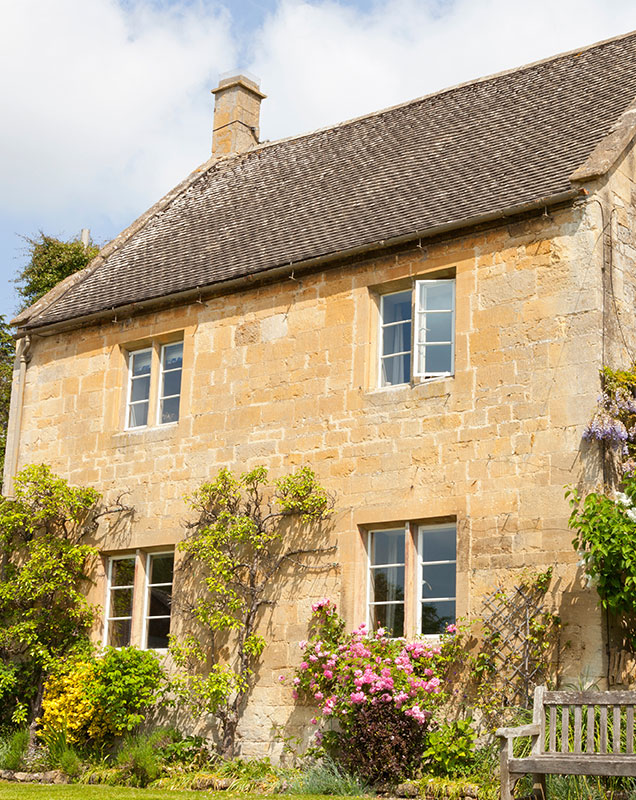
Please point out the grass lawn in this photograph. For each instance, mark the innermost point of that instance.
(27, 791)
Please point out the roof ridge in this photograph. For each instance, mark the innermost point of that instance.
(438, 93)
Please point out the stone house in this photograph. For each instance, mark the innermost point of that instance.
(416, 303)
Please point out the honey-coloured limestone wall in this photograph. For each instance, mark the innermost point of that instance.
(285, 374)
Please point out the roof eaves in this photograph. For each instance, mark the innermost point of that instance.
(553, 200)
(30, 314)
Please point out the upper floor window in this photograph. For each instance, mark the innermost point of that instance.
(417, 332)
(427, 593)
(160, 368)
(170, 382)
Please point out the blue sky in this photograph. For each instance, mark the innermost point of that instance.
(106, 103)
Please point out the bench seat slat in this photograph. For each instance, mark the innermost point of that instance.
(573, 764)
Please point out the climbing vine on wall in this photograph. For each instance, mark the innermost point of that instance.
(614, 420)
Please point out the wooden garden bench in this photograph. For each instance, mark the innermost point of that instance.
(572, 733)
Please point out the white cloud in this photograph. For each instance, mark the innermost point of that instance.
(321, 62)
(104, 106)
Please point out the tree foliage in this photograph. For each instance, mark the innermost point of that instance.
(240, 541)
(606, 540)
(44, 613)
(50, 261)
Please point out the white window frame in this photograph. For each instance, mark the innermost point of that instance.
(148, 586)
(129, 401)
(383, 325)
(371, 566)
(421, 532)
(417, 313)
(109, 588)
(160, 395)
(416, 346)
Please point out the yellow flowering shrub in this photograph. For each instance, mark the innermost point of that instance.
(66, 704)
(96, 700)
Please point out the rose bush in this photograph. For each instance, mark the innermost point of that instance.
(379, 691)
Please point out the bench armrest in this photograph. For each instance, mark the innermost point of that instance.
(523, 730)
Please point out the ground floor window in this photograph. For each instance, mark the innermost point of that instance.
(119, 604)
(159, 575)
(139, 600)
(412, 572)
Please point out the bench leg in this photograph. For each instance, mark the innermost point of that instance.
(504, 774)
(538, 787)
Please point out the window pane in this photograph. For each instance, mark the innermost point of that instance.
(158, 630)
(161, 568)
(396, 307)
(160, 601)
(438, 328)
(141, 363)
(387, 583)
(122, 572)
(119, 633)
(396, 370)
(438, 358)
(387, 547)
(172, 355)
(171, 383)
(170, 410)
(438, 544)
(140, 389)
(436, 296)
(438, 580)
(121, 603)
(396, 338)
(138, 415)
(436, 616)
(390, 617)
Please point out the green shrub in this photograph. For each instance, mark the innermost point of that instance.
(14, 750)
(95, 700)
(138, 761)
(69, 762)
(326, 777)
(450, 749)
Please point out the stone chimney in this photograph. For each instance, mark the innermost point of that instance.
(237, 104)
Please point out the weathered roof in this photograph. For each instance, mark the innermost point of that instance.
(453, 156)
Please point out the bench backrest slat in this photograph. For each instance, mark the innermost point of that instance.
(581, 723)
(603, 734)
(590, 729)
(553, 727)
(578, 710)
(616, 735)
(565, 728)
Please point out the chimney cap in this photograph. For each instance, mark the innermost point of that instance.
(245, 79)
